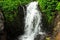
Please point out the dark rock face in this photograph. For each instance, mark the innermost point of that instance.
(15, 28)
(40, 37)
(2, 35)
(1, 21)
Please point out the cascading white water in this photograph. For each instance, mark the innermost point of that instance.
(32, 22)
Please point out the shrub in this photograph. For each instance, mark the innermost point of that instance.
(58, 6)
(9, 6)
(48, 7)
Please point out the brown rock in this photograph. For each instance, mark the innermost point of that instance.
(56, 33)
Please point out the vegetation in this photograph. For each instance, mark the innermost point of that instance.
(48, 7)
(58, 6)
(10, 5)
(9, 8)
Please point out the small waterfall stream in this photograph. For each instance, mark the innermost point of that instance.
(32, 22)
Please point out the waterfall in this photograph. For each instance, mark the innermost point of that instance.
(32, 22)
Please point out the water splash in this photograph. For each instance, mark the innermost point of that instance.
(32, 22)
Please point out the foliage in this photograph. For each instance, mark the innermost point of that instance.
(9, 16)
(58, 6)
(9, 6)
(48, 7)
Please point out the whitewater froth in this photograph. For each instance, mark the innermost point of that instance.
(32, 22)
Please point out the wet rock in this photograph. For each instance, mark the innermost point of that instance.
(56, 33)
(40, 37)
(1, 21)
(2, 37)
(16, 28)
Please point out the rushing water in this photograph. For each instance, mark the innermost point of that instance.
(32, 22)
